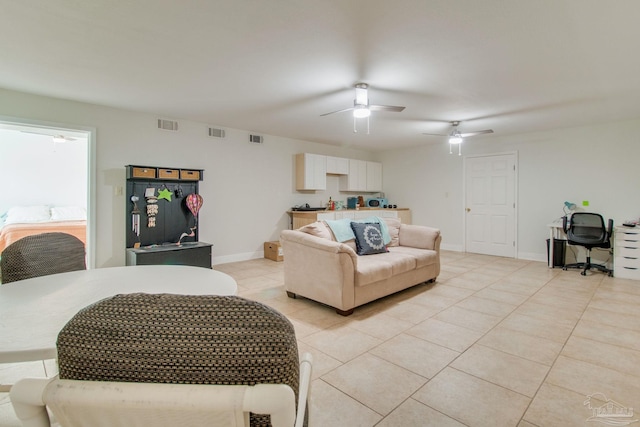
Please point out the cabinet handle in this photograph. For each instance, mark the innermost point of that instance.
(630, 268)
(629, 257)
(629, 247)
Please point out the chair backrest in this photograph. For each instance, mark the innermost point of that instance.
(41, 255)
(588, 229)
(162, 341)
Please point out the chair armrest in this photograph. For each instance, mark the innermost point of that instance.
(304, 390)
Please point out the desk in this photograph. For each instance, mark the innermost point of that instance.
(34, 310)
(555, 232)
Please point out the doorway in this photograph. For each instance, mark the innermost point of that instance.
(490, 204)
(47, 169)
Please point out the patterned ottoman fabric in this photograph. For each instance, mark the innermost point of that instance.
(180, 339)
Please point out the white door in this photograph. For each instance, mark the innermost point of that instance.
(490, 205)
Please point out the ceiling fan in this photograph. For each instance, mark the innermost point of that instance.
(456, 138)
(361, 107)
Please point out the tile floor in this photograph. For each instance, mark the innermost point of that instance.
(494, 342)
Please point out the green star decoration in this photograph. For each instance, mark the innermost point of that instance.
(164, 194)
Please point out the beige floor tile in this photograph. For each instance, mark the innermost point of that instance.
(609, 334)
(330, 407)
(614, 285)
(455, 294)
(470, 319)
(512, 285)
(341, 343)
(607, 293)
(614, 357)
(545, 311)
(487, 306)
(471, 400)
(523, 345)
(514, 373)
(322, 363)
(587, 378)
(560, 301)
(434, 301)
(419, 356)
(629, 307)
(380, 385)
(612, 318)
(502, 296)
(379, 325)
(410, 312)
(548, 328)
(414, 413)
(473, 281)
(557, 406)
(448, 335)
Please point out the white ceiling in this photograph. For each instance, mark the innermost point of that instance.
(274, 66)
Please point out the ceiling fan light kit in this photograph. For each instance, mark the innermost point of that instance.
(361, 108)
(457, 138)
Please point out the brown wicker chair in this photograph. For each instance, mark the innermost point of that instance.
(41, 255)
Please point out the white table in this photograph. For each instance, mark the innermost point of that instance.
(33, 311)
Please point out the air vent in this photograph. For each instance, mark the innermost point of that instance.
(167, 124)
(256, 139)
(216, 133)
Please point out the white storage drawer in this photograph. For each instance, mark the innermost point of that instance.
(626, 262)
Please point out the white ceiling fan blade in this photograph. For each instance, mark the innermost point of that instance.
(480, 132)
(391, 108)
(339, 111)
(434, 134)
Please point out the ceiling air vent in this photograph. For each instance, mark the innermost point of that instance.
(256, 139)
(216, 133)
(167, 124)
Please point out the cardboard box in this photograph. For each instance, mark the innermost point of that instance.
(273, 250)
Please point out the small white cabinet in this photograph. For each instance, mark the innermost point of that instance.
(626, 252)
(337, 165)
(356, 180)
(311, 171)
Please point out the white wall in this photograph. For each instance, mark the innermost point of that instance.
(47, 173)
(598, 163)
(247, 188)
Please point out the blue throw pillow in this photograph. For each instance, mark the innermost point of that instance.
(369, 238)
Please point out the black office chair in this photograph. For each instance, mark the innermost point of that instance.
(588, 230)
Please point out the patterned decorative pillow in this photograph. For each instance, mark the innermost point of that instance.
(369, 238)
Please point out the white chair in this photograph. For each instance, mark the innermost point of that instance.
(97, 404)
(172, 360)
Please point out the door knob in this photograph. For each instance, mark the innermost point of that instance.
(468, 209)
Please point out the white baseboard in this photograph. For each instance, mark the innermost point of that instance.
(246, 256)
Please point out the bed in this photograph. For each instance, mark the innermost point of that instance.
(21, 222)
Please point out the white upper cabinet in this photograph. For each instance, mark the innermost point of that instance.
(374, 176)
(337, 165)
(356, 180)
(311, 171)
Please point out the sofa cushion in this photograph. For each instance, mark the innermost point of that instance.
(318, 229)
(372, 269)
(422, 257)
(369, 238)
(393, 225)
(400, 262)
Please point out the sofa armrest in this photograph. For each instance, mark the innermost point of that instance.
(420, 236)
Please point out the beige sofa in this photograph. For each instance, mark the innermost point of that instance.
(318, 267)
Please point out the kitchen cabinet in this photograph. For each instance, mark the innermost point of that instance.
(356, 180)
(626, 253)
(337, 165)
(300, 219)
(374, 176)
(311, 171)
(363, 176)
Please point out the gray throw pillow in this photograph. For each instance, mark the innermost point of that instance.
(369, 238)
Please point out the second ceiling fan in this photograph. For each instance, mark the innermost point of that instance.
(456, 137)
(361, 107)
